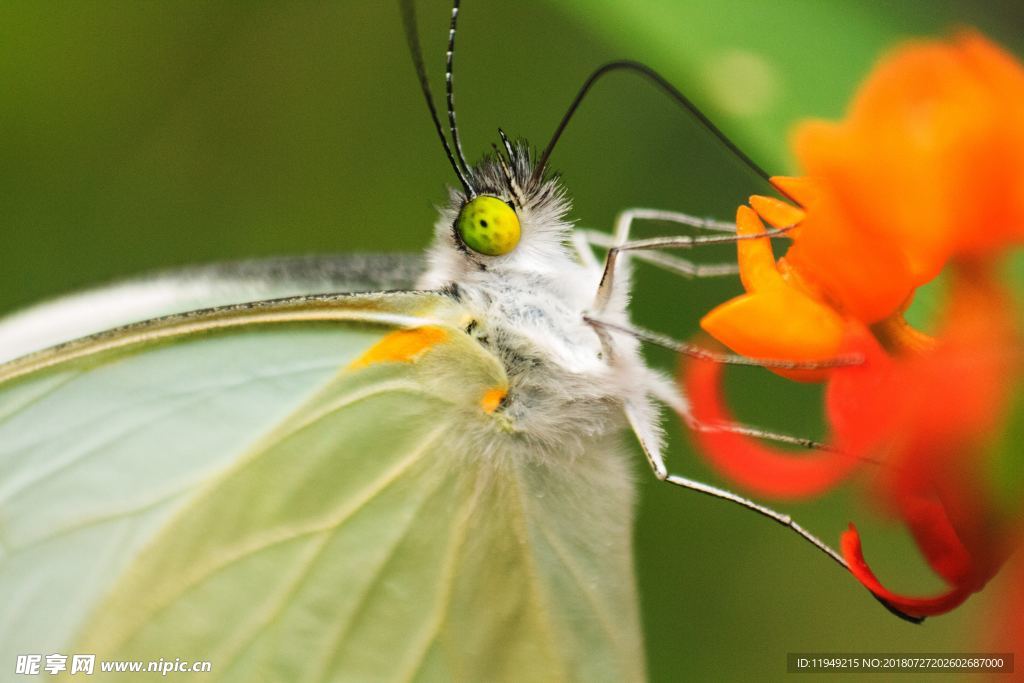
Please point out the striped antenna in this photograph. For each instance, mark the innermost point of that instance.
(413, 39)
(449, 87)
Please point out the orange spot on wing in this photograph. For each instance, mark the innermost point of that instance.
(492, 399)
(400, 346)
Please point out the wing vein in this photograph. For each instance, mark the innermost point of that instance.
(440, 615)
(606, 620)
(21, 407)
(324, 667)
(283, 535)
(100, 518)
(304, 569)
(542, 601)
(141, 506)
(183, 402)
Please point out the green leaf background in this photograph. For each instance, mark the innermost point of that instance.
(144, 135)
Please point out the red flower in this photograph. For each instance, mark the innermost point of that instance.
(935, 417)
(769, 472)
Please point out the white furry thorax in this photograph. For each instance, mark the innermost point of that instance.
(527, 309)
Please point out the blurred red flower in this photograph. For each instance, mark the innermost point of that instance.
(938, 419)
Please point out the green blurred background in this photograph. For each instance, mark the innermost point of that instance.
(144, 135)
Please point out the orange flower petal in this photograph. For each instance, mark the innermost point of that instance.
(755, 257)
(1004, 75)
(778, 213)
(929, 414)
(779, 323)
(803, 191)
(865, 277)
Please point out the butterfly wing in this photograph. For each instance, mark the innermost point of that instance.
(307, 489)
(198, 287)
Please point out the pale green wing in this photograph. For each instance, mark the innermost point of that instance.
(197, 287)
(295, 491)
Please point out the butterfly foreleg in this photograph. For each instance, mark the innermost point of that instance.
(582, 243)
(624, 221)
(699, 352)
(668, 262)
(622, 243)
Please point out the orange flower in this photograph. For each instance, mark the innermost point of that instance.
(781, 315)
(930, 156)
(925, 174)
(928, 164)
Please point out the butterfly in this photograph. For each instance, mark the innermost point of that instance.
(252, 466)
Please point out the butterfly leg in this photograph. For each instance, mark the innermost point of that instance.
(657, 464)
(668, 394)
(673, 264)
(695, 351)
(625, 219)
(622, 243)
(581, 242)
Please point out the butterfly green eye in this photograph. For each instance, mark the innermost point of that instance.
(488, 226)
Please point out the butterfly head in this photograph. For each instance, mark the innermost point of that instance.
(506, 215)
(508, 222)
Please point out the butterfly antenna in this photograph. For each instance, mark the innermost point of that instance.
(413, 40)
(449, 87)
(662, 84)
